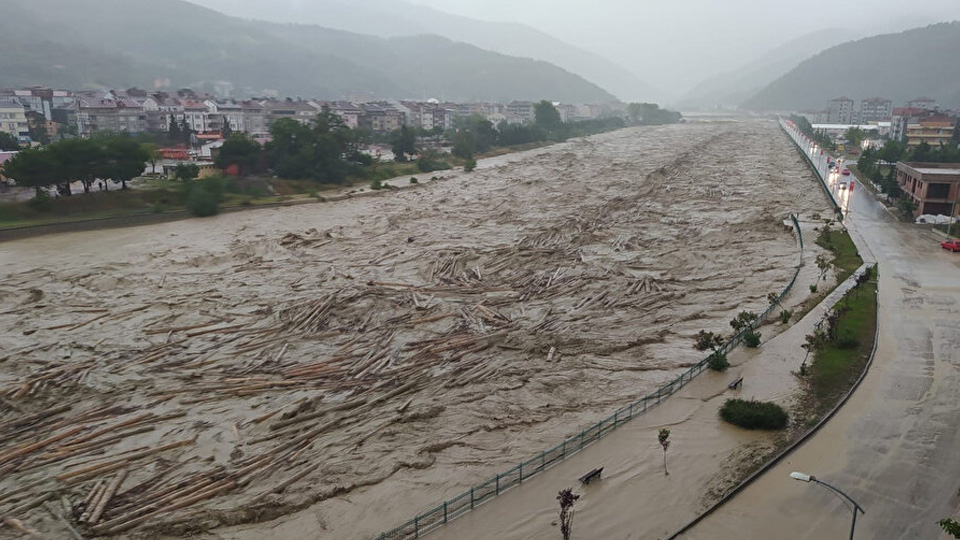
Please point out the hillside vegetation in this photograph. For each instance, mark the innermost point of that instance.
(121, 43)
(901, 67)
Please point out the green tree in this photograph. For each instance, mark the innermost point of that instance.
(173, 129)
(663, 437)
(238, 150)
(186, 172)
(464, 144)
(31, 168)
(123, 160)
(547, 116)
(854, 136)
(153, 154)
(950, 527)
(403, 142)
(79, 160)
(892, 151)
(708, 341)
(8, 142)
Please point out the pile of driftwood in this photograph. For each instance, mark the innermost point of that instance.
(353, 358)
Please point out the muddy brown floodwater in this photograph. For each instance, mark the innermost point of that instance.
(359, 361)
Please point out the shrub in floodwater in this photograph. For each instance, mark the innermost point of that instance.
(470, 165)
(813, 288)
(752, 414)
(785, 316)
(376, 185)
(751, 339)
(414, 180)
(718, 361)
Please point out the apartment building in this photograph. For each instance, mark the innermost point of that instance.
(841, 111)
(13, 120)
(933, 130)
(875, 109)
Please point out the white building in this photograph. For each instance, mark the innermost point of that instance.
(13, 120)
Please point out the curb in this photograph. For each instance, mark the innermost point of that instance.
(799, 442)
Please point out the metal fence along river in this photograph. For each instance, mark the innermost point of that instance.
(480, 493)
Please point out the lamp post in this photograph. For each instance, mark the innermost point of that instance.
(856, 507)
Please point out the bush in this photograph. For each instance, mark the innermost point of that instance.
(785, 316)
(41, 202)
(751, 339)
(813, 288)
(376, 185)
(847, 342)
(754, 414)
(414, 180)
(470, 165)
(718, 361)
(204, 196)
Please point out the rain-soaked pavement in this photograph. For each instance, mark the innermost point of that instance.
(894, 446)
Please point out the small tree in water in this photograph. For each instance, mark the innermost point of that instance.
(708, 341)
(664, 438)
(566, 497)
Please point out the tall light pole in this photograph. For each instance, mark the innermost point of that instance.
(856, 507)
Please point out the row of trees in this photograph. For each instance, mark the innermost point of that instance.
(109, 158)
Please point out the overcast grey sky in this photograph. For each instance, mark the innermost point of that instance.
(683, 41)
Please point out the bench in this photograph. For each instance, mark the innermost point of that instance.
(735, 385)
(585, 479)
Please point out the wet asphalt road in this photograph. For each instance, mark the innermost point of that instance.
(895, 446)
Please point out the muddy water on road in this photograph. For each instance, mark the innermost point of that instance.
(377, 355)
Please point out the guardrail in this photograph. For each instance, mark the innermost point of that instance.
(468, 500)
(805, 145)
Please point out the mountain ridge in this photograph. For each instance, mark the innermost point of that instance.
(898, 66)
(196, 46)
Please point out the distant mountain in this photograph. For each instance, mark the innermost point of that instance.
(732, 88)
(918, 62)
(397, 18)
(119, 43)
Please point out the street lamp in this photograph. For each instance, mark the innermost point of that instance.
(856, 507)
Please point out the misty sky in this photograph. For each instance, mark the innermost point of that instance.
(683, 41)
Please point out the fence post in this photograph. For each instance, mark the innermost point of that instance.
(615, 419)
(644, 403)
(543, 459)
(471, 498)
(444, 511)
(631, 409)
(521, 472)
(599, 429)
(581, 439)
(416, 526)
(564, 451)
(498, 483)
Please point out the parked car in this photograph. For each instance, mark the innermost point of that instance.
(951, 245)
(846, 172)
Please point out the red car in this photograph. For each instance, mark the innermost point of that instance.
(846, 172)
(952, 245)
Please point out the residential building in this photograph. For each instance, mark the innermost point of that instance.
(254, 118)
(901, 118)
(381, 117)
(524, 110)
(196, 115)
(933, 187)
(875, 109)
(298, 110)
(840, 111)
(13, 120)
(569, 113)
(935, 130)
(160, 109)
(924, 103)
(227, 113)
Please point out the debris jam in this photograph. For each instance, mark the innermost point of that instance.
(367, 358)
